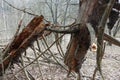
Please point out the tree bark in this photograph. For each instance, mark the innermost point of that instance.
(21, 42)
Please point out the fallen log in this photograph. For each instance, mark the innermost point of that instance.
(21, 42)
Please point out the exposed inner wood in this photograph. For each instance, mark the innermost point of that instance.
(25, 39)
(77, 49)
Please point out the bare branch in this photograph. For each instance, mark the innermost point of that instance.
(38, 56)
(23, 10)
(51, 9)
(111, 40)
(100, 36)
(72, 29)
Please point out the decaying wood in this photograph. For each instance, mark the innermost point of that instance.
(77, 49)
(80, 41)
(25, 39)
(90, 11)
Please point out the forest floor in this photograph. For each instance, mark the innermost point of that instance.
(51, 71)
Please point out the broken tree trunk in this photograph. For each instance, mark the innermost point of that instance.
(90, 11)
(77, 49)
(21, 42)
(80, 41)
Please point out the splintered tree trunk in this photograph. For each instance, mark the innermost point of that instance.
(77, 49)
(89, 11)
(21, 42)
(80, 41)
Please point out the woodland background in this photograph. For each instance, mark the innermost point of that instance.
(61, 12)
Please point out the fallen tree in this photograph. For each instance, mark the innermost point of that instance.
(22, 41)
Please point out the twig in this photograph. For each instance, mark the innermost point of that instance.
(19, 25)
(38, 56)
(51, 9)
(25, 72)
(53, 54)
(37, 41)
(66, 9)
(94, 74)
(66, 31)
(23, 10)
(61, 50)
(35, 53)
(44, 61)
(16, 33)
